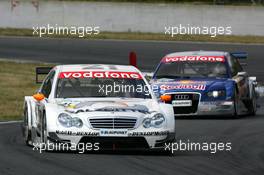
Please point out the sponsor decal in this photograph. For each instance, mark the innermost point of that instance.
(109, 106)
(180, 103)
(79, 133)
(181, 82)
(194, 58)
(150, 133)
(200, 87)
(113, 132)
(95, 74)
(190, 82)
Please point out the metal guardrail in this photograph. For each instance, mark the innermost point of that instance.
(35, 3)
(223, 2)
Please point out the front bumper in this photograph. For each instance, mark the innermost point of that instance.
(213, 108)
(136, 141)
(216, 108)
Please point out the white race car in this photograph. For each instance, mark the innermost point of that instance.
(96, 107)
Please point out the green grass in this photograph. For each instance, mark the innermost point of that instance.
(16, 81)
(141, 36)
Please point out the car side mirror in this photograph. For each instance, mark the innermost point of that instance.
(148, 75)
(242, 74)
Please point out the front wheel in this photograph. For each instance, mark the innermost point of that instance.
(236, 101)
(26, 130)
(43, 136)
(252, 104)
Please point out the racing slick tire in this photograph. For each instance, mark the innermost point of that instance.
(26, 130)
(252, 104)
(236, 101)
(43, 134)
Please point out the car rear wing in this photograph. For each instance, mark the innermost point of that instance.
(240, 55)
(41, 71)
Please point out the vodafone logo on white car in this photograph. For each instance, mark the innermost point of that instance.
(194, 58)
(92, 74)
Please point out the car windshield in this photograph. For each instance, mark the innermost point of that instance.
(187, 69)
(101, 87)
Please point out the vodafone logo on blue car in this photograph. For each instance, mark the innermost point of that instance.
(194, 58)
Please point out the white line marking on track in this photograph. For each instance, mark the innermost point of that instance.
(8, 122)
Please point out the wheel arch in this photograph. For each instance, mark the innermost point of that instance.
(51, 114)
(252, 83)
(167, 109)
(29, 106)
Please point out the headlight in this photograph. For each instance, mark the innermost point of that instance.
(67, 121)
(216, 94)
(147, 122)
(156, 121)
(77, 122)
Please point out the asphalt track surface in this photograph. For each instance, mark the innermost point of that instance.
(246, 134)
(68, 51)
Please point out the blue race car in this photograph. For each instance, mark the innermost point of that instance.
(205, 83)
